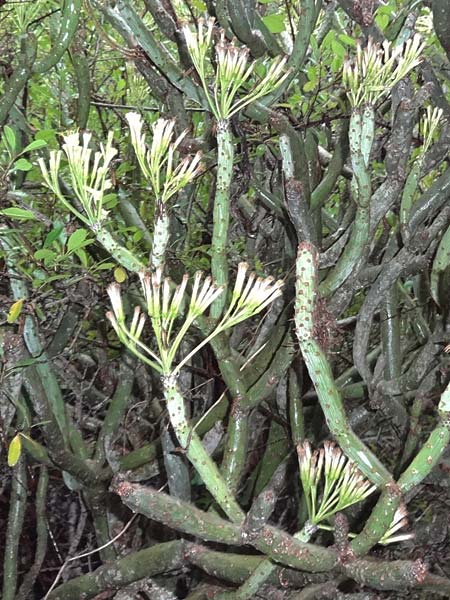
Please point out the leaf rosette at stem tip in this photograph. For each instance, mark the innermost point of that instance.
(399, 521)
(164, 306)
(88, 175)
(377, 68)
(330, 481)
(160, 163)
(233, 71)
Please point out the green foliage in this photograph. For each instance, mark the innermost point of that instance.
(256, 128)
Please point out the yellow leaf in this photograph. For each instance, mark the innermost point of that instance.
(120, 274)
(14, 311)
(14, 450)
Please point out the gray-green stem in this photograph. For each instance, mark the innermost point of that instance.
(221, 212)
(191, 444)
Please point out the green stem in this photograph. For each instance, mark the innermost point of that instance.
(413, 437)
(422, 465)
(236, 446)
(427, 457)
(116, 410)
(390, 341)
(132, 28)
(320, 371)
(379, 521)
(81, 70)
(132, 218)
(41, 537)
(196, 453)
(33, 341)
(15, 84)
(310, 10)
(96, 501)
(122, 255)
(70, 16)
(361, 134)
(322, 192)
(17, 506)
(175, 513)
(160, 236)
(235, 452)
(221, 212)
(161, 558)
(250, 588)
(262, 573)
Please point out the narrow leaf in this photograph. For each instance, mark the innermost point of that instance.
(17, 213)
(10, 138)
(52, 236)
(35, 145)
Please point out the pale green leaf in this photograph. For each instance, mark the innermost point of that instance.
(76, 239)
(10, 139)
(274, 23)
(35, 145)
(17, 213)
(22, 165)
(14, 311)
(14, 450)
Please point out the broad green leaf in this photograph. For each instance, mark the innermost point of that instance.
(309, 86)
(22, 165)
(338, 49)
(14, 450)
(346, 39)
(35, 145)
(14, 311)
(10, 139)
(199, 5)
(336, 64)
(274, 23)
(312, 73)
(123, 168)
(110, 201)
(328, 39)
(120, 274)
(382, 21)
(76, 239)
(45, 134)
(17, 213)
(44, 254)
